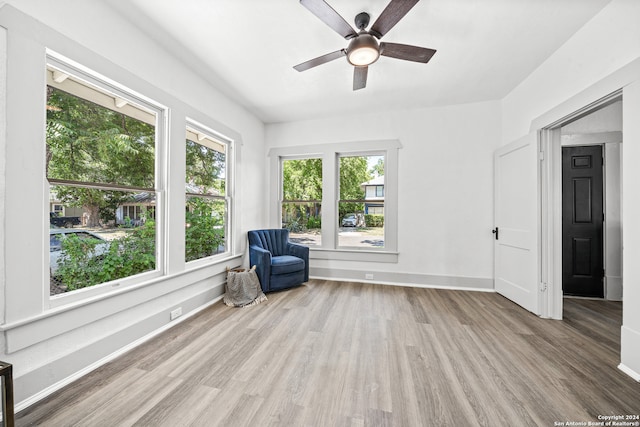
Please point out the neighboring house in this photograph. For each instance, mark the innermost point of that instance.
(141, 208)
(62, 210)
(134, 210)
(374, 196)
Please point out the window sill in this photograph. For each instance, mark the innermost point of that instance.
(201, 263)
(353, 255)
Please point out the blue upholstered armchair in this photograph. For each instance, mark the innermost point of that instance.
(279, 263)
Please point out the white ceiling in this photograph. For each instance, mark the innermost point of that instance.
(247, 49)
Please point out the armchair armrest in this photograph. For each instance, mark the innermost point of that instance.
(261, 258)
(300, 251)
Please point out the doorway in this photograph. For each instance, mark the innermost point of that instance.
(597, 124)
(582, 221)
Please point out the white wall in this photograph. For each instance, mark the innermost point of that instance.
(602, 57)
(445, 208)
(605, 44)
(50, 344)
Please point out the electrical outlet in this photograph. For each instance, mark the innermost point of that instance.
(176, 313)
(368, 276)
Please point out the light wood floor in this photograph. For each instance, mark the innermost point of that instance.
(350, 354)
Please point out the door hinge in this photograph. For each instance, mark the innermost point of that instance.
(495, 232)
(541, 155)
(543, 287)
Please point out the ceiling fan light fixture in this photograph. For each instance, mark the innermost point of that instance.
(363, 50)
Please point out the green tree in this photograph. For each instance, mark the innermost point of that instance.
(205, 168)
(204, 233)
(378, 168)
(88, 143)
(205, 175)
(354, 171)
(302, 181)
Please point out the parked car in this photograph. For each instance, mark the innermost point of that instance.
(63, 221)
(350, 220)
(56, 235)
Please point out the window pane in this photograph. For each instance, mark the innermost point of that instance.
(302, 200)
(206, 215)
(356, 231)
(361, 205)
(302, 179)
(304, 222)
(87, 142)
(206, 169)
(81, 255)
(205, 231)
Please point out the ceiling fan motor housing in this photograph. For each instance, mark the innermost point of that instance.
(362, 20)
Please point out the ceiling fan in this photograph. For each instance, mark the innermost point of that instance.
(364, 49)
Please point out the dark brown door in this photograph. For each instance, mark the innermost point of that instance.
(582, 218)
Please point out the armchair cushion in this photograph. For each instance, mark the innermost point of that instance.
(284, 264)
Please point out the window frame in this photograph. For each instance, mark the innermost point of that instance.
(281, 198)
(376, 153)
(96, 82)
(229, 193)
(329, 153)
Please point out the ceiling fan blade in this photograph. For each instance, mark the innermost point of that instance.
(320, 60)
(394, 12)
(330, 17)
(406, 52)
(360, 77)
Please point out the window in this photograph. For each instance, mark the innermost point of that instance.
(207, 195)
(375, 210)
(359, 181)
(101, 169)
(302, 200)
(348, 189)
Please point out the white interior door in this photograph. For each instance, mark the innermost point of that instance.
(516, 216)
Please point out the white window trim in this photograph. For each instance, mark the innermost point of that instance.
(118, 91)
(330, 153)
(337, 160)
(211, 136)
(281, 187)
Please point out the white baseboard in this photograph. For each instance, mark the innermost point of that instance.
(405, 279)
(633, 374)
(613, 288)
(629, 351)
